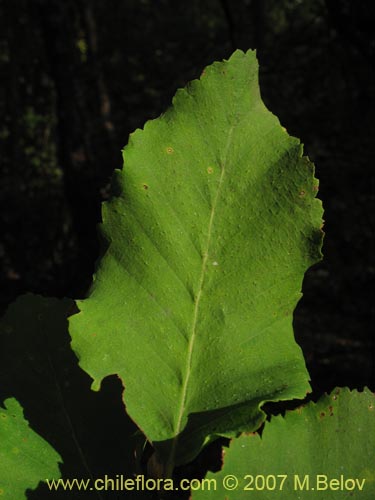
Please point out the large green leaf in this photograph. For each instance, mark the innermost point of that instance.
(25, 458)
(321, 451)
(211, 227)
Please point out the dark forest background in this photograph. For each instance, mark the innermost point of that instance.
(77, 76)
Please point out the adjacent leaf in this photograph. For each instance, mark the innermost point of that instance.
(323, 451)
(25, 458)
(89, 430)
(211, 228)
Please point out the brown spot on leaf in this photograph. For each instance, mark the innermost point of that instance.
(169, 150)
(334, 397)
(145, 186)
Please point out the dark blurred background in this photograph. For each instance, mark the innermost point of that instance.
(77, 76)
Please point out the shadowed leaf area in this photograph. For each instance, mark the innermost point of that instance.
(90, 431)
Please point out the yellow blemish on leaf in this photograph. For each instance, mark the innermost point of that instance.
(169, 150)
(210, 170)
(284, 130)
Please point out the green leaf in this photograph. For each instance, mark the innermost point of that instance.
(322, 451)
(212, 226)
(25, 458)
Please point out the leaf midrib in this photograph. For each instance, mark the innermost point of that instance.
(197, 303)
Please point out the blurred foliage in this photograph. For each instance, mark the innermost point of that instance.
(79, 76)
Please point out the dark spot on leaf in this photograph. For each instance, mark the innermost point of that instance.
(302, 193)
(145, 186)
(330, 408)
(322, 414)
(334, 397)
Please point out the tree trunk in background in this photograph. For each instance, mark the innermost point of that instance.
(56, 102)
(85, 132)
